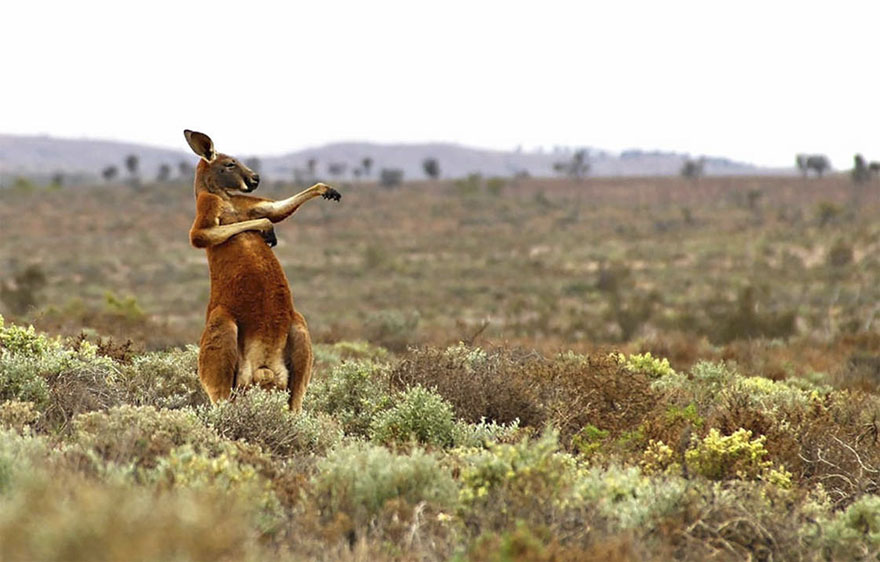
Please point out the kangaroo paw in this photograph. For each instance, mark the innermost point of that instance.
(332, 194)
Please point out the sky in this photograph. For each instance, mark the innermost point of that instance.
(752, 81)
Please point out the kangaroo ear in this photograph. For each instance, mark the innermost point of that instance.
(201, 144)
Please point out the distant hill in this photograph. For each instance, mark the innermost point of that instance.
(41, 156)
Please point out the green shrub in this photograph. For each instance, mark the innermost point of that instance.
(720, 457)
(20, 455)
(21, 380)
(353, 393)
(627, 497)
(519, 478)
(484, 432)
(55, 518)
(360, 478)
(588, 440)
(393, 329)
(334, 354)
(140, 435)
(654, 367)
(61, 380)
(166, 380)
(568, 391)
(223, 473)
(17, 415)
(417, 415)
(263, 418)
(25, 341)
(852, 533)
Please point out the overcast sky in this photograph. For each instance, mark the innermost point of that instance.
(753, 81)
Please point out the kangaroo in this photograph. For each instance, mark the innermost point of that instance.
(253, 336)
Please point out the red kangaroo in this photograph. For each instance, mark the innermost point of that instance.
(253, 335)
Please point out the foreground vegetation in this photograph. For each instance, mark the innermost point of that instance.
(437, 453)
(650, 369)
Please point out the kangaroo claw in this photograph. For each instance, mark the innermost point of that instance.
(332, 194)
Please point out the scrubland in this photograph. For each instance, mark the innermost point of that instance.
(620, 369)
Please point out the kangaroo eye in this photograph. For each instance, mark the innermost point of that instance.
(229, 164)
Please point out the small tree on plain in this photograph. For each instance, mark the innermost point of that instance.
(577, 167)
(693, 168)
(109, 173)
(860, 171)
(390, 177)
(367, 164)
(185, 169)
(431, 167)
(164, 173)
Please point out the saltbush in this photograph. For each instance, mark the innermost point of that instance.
(852, 533)
(165, 380)
(626, 496)
(263, 418)
(353, 393)
(65, 518)
(360, 478)
(516, 479)
(417, 415)
(188, 467)
(140, 435)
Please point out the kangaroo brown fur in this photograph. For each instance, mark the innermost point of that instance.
(253, 335)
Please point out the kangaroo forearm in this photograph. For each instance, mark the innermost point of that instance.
(279, 210)
(214, 235)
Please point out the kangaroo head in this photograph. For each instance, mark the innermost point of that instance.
(219, 173)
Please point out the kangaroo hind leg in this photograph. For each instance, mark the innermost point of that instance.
(218, 355)
(299, 361)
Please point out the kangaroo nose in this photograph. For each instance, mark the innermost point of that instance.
(256, 179)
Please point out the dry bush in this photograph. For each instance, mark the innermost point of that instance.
(263, 418)
(505, 385)
(64, 518)
(140, 435)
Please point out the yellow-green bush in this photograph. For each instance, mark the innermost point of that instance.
(722, 457)
(223, 473)
(517, 477)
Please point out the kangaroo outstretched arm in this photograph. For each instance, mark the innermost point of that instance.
(277, 211)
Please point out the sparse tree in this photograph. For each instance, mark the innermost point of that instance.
(109, 173)
(816, 162)
(577, 167)
(185, 169)
(874, 168)
(312, 166)
(366, 164)
(132, 163)
(431, 167)
(336, 169)
(390, 177)
(693, 168)
(164, 173)
(860, 171)
(57, 179)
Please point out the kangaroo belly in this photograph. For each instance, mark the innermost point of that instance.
(248, 281)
